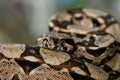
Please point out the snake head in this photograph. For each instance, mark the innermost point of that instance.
(46, 41)
(56, 41)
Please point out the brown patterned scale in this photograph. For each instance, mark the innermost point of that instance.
(24, 62)
(90, 30)
(96, 49)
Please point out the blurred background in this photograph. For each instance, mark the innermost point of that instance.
(23, 21)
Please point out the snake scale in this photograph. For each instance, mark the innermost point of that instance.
(83, 44)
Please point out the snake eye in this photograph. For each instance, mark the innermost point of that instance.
(48, 43)
(42, 42)
(45, 43)
(66, 47)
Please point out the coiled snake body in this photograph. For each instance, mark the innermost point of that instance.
(81, 46)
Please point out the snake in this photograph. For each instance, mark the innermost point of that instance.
(94, 33)
(81, 45)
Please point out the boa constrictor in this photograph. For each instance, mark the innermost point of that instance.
(82, 46)
(95, 34)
